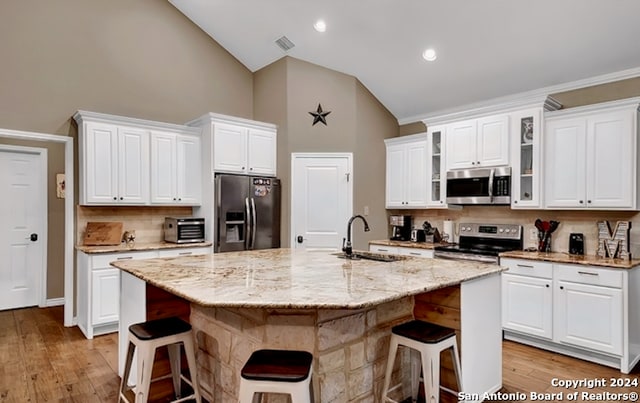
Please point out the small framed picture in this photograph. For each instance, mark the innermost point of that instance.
(60, 186)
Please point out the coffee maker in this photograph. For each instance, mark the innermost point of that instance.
(400, 227)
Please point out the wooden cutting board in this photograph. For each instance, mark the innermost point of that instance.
(103, 233)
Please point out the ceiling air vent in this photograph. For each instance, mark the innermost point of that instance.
(284, 43)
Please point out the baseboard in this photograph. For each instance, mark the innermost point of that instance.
(54, 302)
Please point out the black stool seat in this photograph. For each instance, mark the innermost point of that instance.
(424, 332)
(277, 365)
(155, 329)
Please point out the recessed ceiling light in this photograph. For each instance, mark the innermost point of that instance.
(429, 55)
(320, 26)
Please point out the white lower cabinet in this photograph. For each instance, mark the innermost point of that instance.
(579, 310)
(527, 297)
(99, 286)
(589, 308)
(105, 284)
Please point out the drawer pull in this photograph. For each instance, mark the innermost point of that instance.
(415, 253)
(185, 253)
(527, 266)
(588, 274)
(125, 258)
(383, 250)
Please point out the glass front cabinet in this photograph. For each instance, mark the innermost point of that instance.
(437, 194)
(525, 153)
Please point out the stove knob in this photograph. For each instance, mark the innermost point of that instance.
(502, 230)
(468, 229)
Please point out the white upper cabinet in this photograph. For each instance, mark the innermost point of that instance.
(590, 157)
(437, 183)
(239, 145)
(261, 152)
(114, 163)
(493, 141)
(406, 177)
(481, 142)
(121, 164)
(526, 167)
(230, 149)
(175, 169)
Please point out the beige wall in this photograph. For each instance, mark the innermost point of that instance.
(140, 58)
(358, 123)
(599, 93)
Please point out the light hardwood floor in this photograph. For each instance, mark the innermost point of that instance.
(42, 361)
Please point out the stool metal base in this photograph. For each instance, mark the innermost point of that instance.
(146, 353)
(430, 359)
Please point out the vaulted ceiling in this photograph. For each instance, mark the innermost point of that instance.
(486, 49)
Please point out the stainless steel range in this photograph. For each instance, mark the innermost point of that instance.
(482, 242)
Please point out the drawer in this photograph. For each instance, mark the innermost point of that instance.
(589, 275)
(177, 252)
(102, 261)
(383, 249)
(529, 268)
(416, 252)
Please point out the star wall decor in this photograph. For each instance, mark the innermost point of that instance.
(319, 116)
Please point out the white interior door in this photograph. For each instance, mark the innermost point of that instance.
(22, 227)
(321, 200)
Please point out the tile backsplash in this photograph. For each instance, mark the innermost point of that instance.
(570, 222)
(148, 222)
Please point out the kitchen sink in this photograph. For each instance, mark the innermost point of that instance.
(379, 257)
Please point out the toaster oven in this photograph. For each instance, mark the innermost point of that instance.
(183, 229)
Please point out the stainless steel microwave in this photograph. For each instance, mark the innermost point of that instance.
(479, 186)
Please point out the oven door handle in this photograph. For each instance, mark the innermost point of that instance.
(467, 257)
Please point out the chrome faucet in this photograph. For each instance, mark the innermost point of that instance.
(346, 247)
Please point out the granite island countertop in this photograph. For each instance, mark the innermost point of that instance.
(139, 246)
(299, 279)
(407, 244)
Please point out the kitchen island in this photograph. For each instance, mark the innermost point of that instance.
(339, 310)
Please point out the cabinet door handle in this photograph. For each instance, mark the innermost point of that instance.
(546, 285)
(561, 287)
(115, 198)
(588, 274)
(125, 258)
(589, 201)
(581, 202)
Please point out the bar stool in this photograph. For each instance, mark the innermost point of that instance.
(277, 371)
(429, 340)
(147, 337)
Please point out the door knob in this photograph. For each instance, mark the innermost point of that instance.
(33, 237)
(300, 239)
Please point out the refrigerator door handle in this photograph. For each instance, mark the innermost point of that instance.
(254, 223)
(247, 225)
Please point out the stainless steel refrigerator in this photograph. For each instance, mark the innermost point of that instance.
(247, 212)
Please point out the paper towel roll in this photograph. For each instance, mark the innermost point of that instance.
(447, 228)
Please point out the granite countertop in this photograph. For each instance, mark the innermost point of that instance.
(561, 257)
(407, 244)
(138, 246)
(299, 279)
